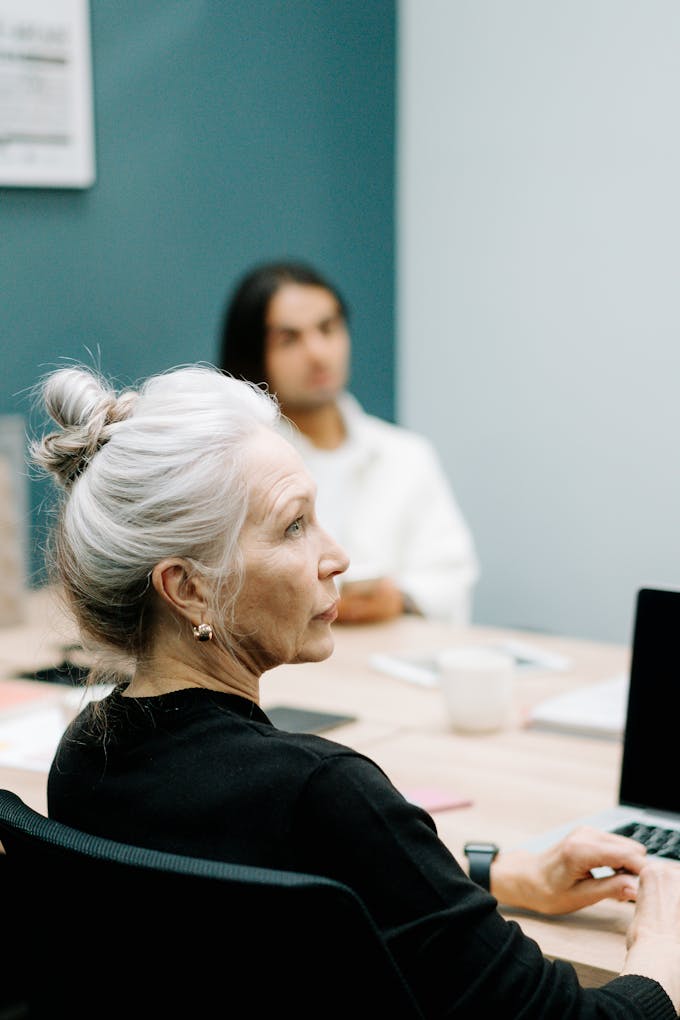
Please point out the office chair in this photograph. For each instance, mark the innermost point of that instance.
(100, 929)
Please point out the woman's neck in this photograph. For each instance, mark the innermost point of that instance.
(212, 669)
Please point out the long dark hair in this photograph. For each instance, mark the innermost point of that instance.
(242, 335)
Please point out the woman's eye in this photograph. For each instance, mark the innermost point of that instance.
(296, 527)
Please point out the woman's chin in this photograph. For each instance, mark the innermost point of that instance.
(317, 650)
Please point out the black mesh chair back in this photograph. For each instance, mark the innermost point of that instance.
(96, 928)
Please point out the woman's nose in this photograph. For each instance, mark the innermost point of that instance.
(334, 560)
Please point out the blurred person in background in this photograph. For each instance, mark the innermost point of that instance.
(382, 491)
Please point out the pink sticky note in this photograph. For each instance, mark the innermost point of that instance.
(435, 798)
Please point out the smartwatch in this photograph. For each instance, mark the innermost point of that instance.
(480, 856)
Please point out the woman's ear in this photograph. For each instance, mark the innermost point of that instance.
(183, 592)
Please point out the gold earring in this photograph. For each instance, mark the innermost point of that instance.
(203, 632)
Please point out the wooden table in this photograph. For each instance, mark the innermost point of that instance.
(520, 781)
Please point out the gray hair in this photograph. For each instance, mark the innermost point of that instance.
(145, 475)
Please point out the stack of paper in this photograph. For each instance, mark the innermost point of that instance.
(18, 696)
(28, 740)
(34, 715)
(596, 710)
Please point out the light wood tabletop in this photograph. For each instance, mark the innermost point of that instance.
(519, 781)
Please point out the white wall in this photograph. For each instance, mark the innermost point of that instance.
(539, 293)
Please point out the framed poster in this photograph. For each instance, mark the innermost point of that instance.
(46, 114)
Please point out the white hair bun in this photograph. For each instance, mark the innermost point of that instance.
(86, 408)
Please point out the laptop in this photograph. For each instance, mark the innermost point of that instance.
(648, 807)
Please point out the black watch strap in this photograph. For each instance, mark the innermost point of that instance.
(480, 856)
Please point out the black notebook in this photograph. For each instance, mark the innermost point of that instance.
(305, 720)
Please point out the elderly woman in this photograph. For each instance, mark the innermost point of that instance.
(189, 549)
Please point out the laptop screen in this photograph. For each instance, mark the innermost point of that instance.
(649, 771)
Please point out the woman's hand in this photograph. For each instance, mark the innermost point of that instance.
(653, 938)
(559, 880)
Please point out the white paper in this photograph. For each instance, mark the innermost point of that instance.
(421, 668)
(594, 710)
(29, 740)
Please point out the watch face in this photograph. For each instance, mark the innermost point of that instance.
(481, 848)
(480, 856)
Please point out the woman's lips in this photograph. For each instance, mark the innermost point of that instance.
(329, 615)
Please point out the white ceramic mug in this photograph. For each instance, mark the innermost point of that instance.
(477, 687)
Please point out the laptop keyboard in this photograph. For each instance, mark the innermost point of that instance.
(659, 841)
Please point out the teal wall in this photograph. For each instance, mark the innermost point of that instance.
(226, 132)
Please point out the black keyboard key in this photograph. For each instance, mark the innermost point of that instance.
(671, 848)
(659, 841)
